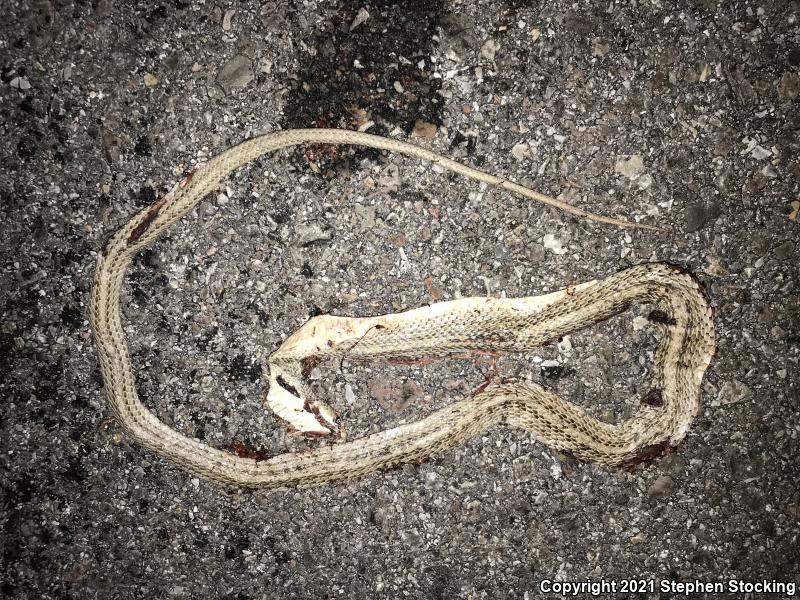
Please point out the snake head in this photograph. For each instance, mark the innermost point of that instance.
(291, 400)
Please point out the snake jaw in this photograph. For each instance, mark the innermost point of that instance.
(325, 415)
(302, 415)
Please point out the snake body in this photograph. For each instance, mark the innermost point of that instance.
(681, 312)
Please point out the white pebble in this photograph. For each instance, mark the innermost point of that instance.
(553, 244)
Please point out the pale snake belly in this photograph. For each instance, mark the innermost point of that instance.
(680, 310)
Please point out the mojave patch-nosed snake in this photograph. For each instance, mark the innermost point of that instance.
(680, 310)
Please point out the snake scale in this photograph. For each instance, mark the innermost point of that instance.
(681, 312)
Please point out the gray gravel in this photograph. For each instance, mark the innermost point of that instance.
(686, 118)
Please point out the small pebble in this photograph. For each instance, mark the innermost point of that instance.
(600, 47)
(696, 217)
(661, 488)
(629, 166)
(760, 153)
(360, 18)
(789, 86)
(308, 233)
(226, 20)
(349, 394)
(520, 151)
(785, 250)
(423, 129)
(365, 216)
(731, 392)
(535, 253)
(111, 145)
(489, 49)
(550, 242)
(795, 209)
(236, 74)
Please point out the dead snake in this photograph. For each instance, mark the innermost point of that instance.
(680, 310)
